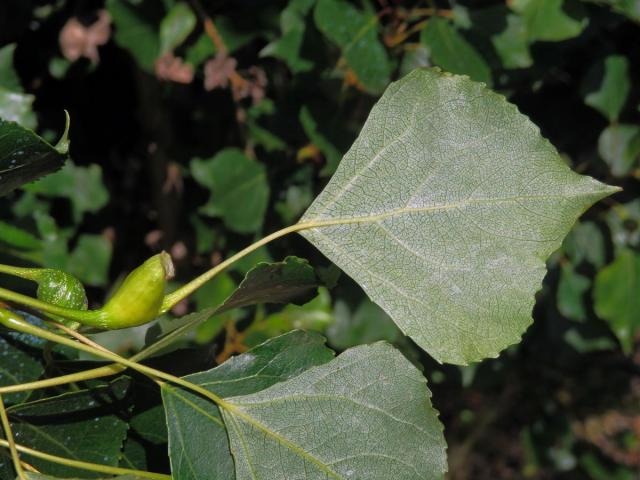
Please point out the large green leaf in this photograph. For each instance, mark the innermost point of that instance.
(84, 425)
(198, 445)
(617, 296)
(444, 211)
(239, 189)
(25, 157)
(364, 415)
(356, 33)
(448, 49)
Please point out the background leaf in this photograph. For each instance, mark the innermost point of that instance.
(613, 89)
(239, 189)
(616, 298)
(448, 49)
(356, 33)
(176, 26)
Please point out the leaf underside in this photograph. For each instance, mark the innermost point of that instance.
(445, 209)
(364, 415)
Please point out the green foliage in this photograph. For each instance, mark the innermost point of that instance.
(477, 209)
(450, 51)
(54, 426)
(176, 27)
(199, 129)
(354, 32)
(613, 90)
(616, 298)
(548, 20)
(239, 189)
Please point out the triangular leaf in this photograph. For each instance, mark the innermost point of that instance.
(444, 211)
(364, 415)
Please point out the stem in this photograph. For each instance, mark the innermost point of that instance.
(186, 290)
(10, 441)
(99, 372)
(92, 318)
(94, 467)
(15, 322)
(28, 273)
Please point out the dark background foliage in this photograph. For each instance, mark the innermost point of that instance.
(145, 126)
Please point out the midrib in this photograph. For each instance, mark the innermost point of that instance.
(309, 224)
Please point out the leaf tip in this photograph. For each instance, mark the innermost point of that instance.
(63, 144)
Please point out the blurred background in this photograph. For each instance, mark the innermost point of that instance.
(176, 106)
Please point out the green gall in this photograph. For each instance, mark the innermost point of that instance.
(60, 288)
(139, 299)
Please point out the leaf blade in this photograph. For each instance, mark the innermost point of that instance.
(443, 218)
(384, 429)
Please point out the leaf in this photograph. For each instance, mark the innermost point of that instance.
(365, 415)
(17, 237)
(8, 76)
(83, 425)
(83, 186)
(288, 47)
(18, 365)
(290, 281)
(134, 31)
(616, 297)
(585, 242)
(619, 147)
(571, 290)
(176, 26)
(624, 222)
(25, 157)
(512, 44)
(449, 50)
(195, 423)
(629, 8)
(548, 20)
(613, 89)
(356, 33)
(368, 324)
(90, 260)
(239, 189)
(444, 211)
